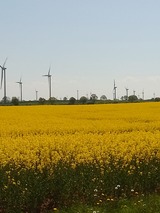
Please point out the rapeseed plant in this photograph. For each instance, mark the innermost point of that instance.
(111, 148)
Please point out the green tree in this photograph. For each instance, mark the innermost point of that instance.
(93, 97)
(72, 100)
(132, 98)
(15, 101)
(103, 98)
(83, 100)
(42, 100)
(157, 99)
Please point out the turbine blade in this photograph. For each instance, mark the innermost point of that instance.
(49, 70)
(5, 62)
(1, 77)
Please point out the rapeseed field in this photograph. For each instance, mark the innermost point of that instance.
(53, 156)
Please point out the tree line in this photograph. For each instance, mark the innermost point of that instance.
(93, 99)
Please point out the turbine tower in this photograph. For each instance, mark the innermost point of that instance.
(36, 95)
(134, 92)
(126, 93)
(114, 91)
(154, 95)
(143, 94)
(3, 73)
(49, 82)
(20, 85)
(77, 95)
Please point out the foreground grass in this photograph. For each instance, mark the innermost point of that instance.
(140, 204)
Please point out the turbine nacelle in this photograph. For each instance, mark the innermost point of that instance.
(3, 68)
(19, 82)
(48, 75)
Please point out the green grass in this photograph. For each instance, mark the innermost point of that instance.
(139, 204)
(30, 190)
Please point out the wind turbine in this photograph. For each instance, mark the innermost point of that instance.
(36, 95)
(143, 94)
(20, 85)
(154, 95)
(77, 95)
(49, 81)
(114, 91)
(3, 73)
(126, 92)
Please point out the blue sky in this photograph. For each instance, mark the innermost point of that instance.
(87, 43)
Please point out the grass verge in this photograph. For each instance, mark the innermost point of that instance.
(139, 204)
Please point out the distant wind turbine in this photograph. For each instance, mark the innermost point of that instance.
(143, 94)
(114, 91)
(3, 73)
(77, 94)
(36, 95)
(154, 95)
(20, 85)
(49, 81)
(126, 92)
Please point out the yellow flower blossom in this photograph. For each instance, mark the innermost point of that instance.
(41, 136)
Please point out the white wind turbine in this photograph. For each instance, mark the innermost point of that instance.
(114, 91)
(36, 95)
(20, 86)
(49, 82)
(3, 73)
(126, 92)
